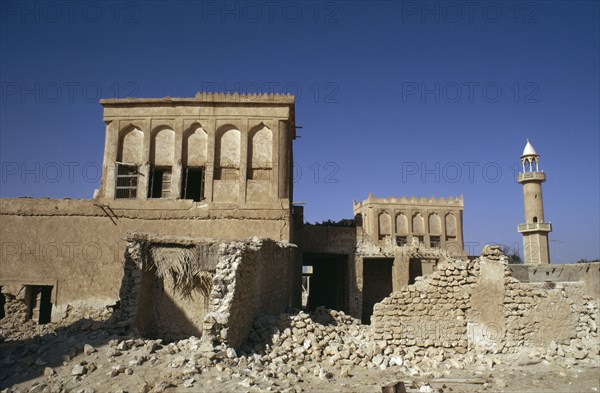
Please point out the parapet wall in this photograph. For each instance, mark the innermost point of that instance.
(588, 273)
(477, 305)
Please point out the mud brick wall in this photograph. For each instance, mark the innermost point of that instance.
(478, 305)
(557, 315)
(430, 313)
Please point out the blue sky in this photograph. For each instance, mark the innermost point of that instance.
(395, 98)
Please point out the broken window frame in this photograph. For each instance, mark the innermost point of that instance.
(184, 188)
(165, 183)
(126, 180)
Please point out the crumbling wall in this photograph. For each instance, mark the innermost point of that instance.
(477, 305)
(252, 278)
(247, 278)
(166, 285)
(77, 246)
(430, 313)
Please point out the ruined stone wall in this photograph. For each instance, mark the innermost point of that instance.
(247, 278)
(431, 312)
(77, 247)
(478, 305)
(252, 278)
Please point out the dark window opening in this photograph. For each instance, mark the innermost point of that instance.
(400, 240)
(2, 303)
(39, 303)
(450, 238)
(535, 219)
(434, 241)
(421, 239)
(160, 183)
(415, 269)
(127, 181)
(193, 184)
(377, 284)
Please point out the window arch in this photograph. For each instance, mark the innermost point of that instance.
(162, 147)
(451, 228)
(227, 153)
(195, 146)
(401, 225)
(418, 224)
(435, 224)
(385, 224)
(260, 153)
(131, 143)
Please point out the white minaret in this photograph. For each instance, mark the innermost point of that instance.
(535, 230)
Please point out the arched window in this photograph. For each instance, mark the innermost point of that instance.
(162, 157)
(194, 159)
(401, 225)
(129, 158)
(418, 224)
(435, 224)
(451, 228)
(260, 153)
(385, 225)
(227, 153)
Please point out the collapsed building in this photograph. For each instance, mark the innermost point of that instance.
(193, 232)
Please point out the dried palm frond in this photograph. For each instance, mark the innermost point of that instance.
(187, 267)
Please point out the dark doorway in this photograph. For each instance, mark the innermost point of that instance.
(415, 269)
(328, 282)
(39, 302)
(193, 184)
(377, 284)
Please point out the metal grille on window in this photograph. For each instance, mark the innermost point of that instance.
(127, 180)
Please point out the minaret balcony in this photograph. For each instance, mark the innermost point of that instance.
(532, 176)
(535, 227)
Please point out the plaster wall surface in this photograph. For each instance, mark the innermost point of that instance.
(77, 246)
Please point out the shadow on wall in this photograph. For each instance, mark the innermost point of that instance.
(165, 312)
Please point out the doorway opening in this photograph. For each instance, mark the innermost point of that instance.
(415, 269)
(377, 284)
(39, 303)
(328, 280)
